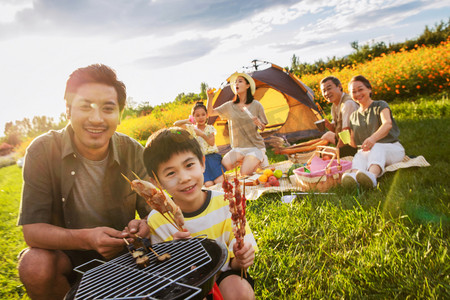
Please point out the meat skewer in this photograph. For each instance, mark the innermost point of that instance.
(237, 204)
(148, 247)
(139, 256)
(157, 200)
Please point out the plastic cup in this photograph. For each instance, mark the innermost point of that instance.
(320, 124)
(345, 136)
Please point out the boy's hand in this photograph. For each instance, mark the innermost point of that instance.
(244, 257)
(179, 235)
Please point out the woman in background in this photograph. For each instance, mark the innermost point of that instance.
(375, 132)
(244, 116)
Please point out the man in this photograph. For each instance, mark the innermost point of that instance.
(75, 205)
(342, 106)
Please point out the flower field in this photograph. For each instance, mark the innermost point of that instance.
(404, 74)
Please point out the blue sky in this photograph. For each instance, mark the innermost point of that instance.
(161, 48)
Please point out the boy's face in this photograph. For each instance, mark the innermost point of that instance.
(182, 177)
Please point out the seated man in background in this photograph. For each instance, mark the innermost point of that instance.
(342, 106)
(75, 204)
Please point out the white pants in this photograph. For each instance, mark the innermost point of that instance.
(260, 154)
(381, 154)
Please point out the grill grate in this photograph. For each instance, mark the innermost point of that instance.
(120, 278)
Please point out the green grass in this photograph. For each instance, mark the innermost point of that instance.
(387, 243)
(12, 238)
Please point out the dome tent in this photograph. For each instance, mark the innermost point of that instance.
(288, 104)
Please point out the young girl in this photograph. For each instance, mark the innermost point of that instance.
(205, 135)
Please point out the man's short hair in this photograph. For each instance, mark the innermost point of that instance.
(165, 143)
(335, 80)
(96, 73)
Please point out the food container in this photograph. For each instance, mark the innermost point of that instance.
(322, 174)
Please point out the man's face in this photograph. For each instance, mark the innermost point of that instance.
(94, 115)
(331, 92)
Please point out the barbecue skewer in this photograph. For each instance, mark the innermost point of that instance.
(158, 200)
(147, 247)
(139, 257)
(237, 210)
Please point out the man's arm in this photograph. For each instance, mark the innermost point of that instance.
(106, 241)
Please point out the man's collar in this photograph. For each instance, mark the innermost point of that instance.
(68, 147)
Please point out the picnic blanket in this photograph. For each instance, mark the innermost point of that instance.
(289, 184)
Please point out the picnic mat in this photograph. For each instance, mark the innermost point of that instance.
(254, 192)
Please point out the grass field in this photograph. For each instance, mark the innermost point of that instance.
(388, 243)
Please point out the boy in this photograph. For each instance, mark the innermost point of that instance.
(175, 157)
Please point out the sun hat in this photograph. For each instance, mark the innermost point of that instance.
(246, 76)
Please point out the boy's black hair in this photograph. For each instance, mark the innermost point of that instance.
(166, 142)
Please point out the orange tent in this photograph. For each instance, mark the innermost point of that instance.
(288, 104)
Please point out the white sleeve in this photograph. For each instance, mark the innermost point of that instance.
(346, 110)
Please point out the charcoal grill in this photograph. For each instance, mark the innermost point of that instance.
(188, 274)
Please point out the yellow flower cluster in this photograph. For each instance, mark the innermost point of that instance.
(402, 74)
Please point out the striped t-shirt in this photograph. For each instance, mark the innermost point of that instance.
(212, 219)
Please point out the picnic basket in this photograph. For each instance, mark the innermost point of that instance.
(320, 174)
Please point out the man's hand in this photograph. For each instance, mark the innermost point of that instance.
(244, 257)
(139, 227)
(106, 241)
(329, 126)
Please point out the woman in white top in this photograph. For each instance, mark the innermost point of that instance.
(245, 116)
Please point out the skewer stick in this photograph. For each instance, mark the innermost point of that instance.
(157, 182)
(172, 220)
(136, 175)
(126, 178)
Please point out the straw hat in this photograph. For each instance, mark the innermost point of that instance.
(246, 76)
